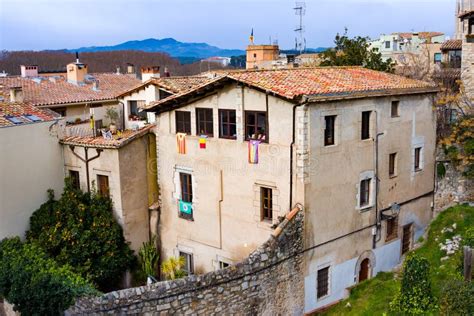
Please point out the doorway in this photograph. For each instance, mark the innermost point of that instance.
(406, 238)
(364, 270)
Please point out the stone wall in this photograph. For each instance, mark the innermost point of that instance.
(268, 282)
(451, 188)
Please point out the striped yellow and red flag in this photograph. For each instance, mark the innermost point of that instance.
(181, 141)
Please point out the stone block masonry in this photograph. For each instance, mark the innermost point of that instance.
(268, 282)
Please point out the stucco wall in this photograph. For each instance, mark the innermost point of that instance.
(236, 230)
(332, 191)
(148, 94)
(128, 183)
(31, 162)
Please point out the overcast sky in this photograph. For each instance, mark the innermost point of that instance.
(56, 24)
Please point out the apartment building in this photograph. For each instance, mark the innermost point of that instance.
(30, 164)
(466, 30)
(354, 147)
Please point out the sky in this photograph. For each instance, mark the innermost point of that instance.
(57, 24)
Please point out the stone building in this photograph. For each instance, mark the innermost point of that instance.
(465, 31)
(354, 147)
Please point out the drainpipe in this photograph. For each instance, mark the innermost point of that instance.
(86, 160)
(221, 199)
(123, 115)
(291, 149)
(377, 236)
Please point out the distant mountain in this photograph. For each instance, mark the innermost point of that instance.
(167, 45)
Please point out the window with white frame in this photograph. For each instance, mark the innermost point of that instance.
(418, 158)
(365, 190)
(188, 266)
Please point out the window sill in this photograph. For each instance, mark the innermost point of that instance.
(186, 217)
(418, 170)
(391, 238)
(393, 176)
(365, 208)
(228, 138)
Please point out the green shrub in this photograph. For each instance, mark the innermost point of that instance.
(440, 170)
(415, 296)
(36, 284)
(457, 298)
(79, 229)
(149, 258)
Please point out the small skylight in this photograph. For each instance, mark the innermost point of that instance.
(14, 119)
(32, 118)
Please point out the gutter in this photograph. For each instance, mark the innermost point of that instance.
(59, 105)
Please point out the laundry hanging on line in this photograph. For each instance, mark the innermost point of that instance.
(253, 151)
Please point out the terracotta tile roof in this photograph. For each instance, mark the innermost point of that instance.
(170, 84)
(50, 91)
(326, 82)
(15, 112)
(452, 45)
(100, 142)
(423, 35)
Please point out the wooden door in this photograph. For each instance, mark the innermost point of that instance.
(406, 239)
(364, 270)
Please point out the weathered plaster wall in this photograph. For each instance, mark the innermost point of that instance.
(31, 162)
(268, 282)
(226, 196)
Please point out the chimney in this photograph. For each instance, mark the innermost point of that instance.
(95, 85)
(118, 71)
(76, 72)
(150, 72)
(29, 71)
(130, 69)
(16, 94)
(167, 73)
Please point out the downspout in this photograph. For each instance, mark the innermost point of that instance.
(86, 160)
(123, 115)
(377, 236)
(221, 199)
(291, 150)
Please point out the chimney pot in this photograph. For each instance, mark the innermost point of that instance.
(118, 70)
(150, 72)
(95, 85)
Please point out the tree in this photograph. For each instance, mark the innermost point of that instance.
(36, 284)
(79, 229)
(415, 296)
(355, 52)
(149, 258)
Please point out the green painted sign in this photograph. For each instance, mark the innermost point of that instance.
(185, 207)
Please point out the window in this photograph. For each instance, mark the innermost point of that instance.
(394, 111)
(471, 26)
(74, 175)
(392, 164)
(223, 265)
(266, 204)
(387, 44)
(60, 111)
(323, 282)
(329, 130)
(134, 106)
(392, 228)
(103, 185)
(256, 125)
(364, 196)
(417, 161)
(365, 134)
(437, 58)
(204, 122)
(183, 122)
(227, 124)
(186, 187)
(188, 267)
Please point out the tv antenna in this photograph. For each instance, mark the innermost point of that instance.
(300, 10)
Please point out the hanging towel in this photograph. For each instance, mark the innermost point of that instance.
(253, 151)
(202, 141)
(181, 140)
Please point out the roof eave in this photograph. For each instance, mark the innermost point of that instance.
(372, 94)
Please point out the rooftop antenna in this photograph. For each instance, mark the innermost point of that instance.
(300, 10)
(77, 57)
